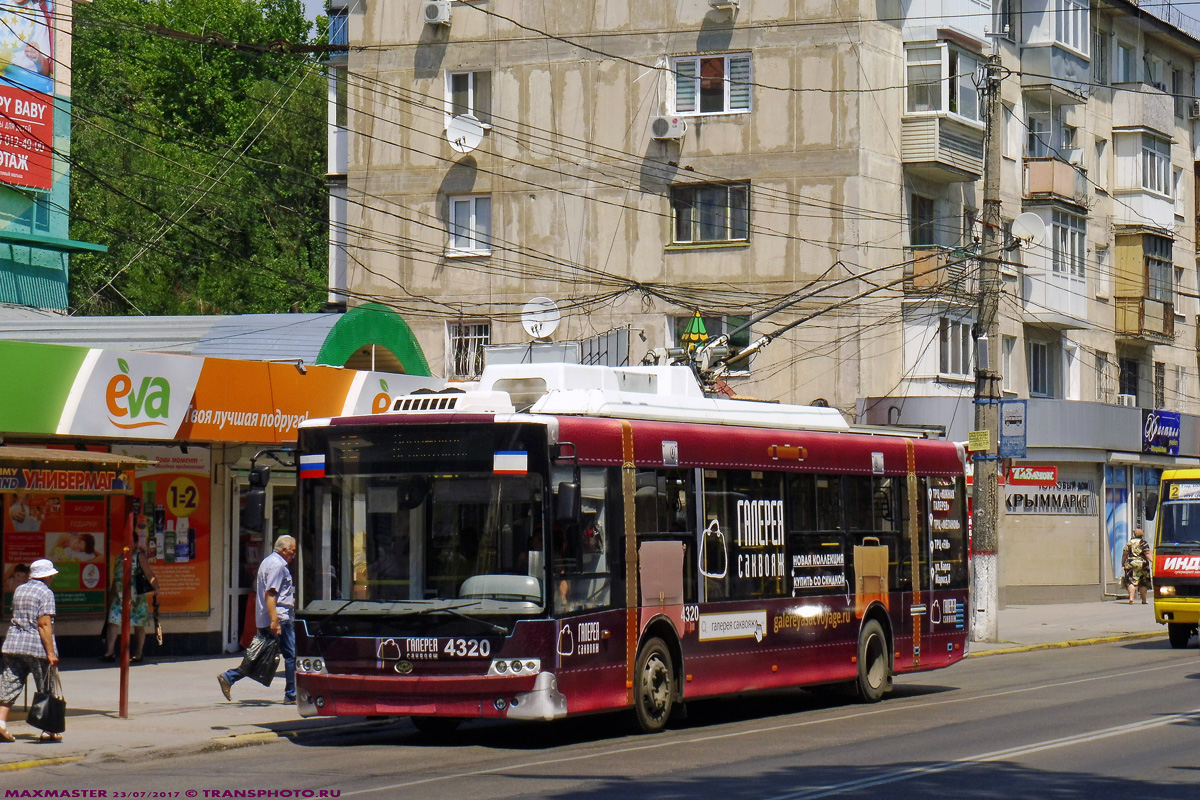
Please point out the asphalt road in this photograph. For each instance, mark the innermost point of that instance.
(1114, 720)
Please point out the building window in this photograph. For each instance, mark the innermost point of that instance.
(942, 78)
(1156, 164)
(689, 331)
(1002, 18)
(711, 212)
(920, 221)
(1153, 69)
(1125, 70)
(1160, 384)
(339, 28)
(464, 348)
(1071, 24)
(1037, 144)
(471, 224)
(1069, 246)
(469, 93)
(1160, 268)
(955, 347)
(36, 216)
(1007, 380)
(1100, 165)
(1039, 369)
(1181, 98)
(1104, 377)
(713, 84)
(1181, 388)
(1100, 45)
(1129, 376)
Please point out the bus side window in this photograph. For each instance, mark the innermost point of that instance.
(830, 508)
(584, 554)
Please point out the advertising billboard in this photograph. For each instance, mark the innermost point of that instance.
(27, 93)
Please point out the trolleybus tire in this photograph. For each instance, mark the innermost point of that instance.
(653, 686)
(874, 663)
(436, 726)
(1179, 633)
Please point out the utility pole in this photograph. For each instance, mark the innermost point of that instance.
(985, 570)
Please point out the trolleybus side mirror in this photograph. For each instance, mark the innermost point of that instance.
(567, 505)
(254, 511)
(1151, 505)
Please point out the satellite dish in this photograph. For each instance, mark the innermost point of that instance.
(539, 317)
(1029, 228)
(464, 133)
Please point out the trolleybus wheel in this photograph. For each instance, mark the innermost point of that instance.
(874, 665)
(1179, 633)
(436, 726)
(653, 686)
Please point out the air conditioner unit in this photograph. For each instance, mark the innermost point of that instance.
(729, 4)
(436, 12)
(1075, 156)
(668, 127)
(1194, 109)
(1129, 400)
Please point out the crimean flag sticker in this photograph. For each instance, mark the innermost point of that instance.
(312, 466)
(510, 462)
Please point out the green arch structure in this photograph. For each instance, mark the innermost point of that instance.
(373, 324)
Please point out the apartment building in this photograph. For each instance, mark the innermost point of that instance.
(644, 164)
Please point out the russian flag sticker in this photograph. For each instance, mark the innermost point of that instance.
(312, 466)
(510, 462)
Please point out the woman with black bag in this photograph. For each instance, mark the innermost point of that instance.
(144, 584)
(29, 647)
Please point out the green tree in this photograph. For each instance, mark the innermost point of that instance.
(200, 165)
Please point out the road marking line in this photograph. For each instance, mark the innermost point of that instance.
(996, 755)
(41, 762)
(891, 707)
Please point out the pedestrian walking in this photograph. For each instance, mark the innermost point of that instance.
(142, 586)
(1135, 561)
(274, 615)
(29, 647)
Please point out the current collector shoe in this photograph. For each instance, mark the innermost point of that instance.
(221, 679)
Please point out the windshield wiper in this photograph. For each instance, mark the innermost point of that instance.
(454, 611)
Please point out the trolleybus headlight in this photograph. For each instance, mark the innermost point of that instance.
(305, 665)
(318, 665)
(501, 667)
(1166, 591)
(517, 666)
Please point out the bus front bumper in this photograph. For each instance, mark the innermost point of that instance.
(469, 697)
(1184, 610)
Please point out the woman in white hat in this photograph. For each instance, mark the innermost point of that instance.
(29, 646)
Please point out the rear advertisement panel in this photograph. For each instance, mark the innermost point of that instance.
(27, 93)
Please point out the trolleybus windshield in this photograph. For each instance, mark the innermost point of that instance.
(416, 520)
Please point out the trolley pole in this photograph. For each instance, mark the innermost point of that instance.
(986, 515)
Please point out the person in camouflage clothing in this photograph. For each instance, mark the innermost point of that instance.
(1135, 560)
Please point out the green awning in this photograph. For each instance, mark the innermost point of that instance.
(51, 243)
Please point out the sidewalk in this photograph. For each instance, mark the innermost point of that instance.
(176, 706)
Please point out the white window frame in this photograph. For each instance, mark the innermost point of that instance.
(954, 92)
(1041, 375)
(956, 348)
(1041, 129)
(474, 98)
(737, 93)
(1008, 349)
(476, 225)
(465, 340)
(1101, 43)
(1105, 382)
(1072, 25)
(1160, 268)
(687, 211)
(1069, 245)
(1125, 63)
(1156, 164)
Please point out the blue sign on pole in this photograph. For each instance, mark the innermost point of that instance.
(1012, 428)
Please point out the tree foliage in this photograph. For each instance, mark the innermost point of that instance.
(199, 165)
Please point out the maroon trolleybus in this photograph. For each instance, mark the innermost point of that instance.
(562, 539)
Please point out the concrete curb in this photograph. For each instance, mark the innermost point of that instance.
(1027, 648)
(224, 742)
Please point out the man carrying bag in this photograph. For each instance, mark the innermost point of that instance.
(29, 649)
(274, 614)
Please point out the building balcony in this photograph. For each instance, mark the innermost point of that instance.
(942, 147)
(1054, 179)
(1052, 74)
(1143, 106)
(941, 272)
(1144, 318)
(1139, 208)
